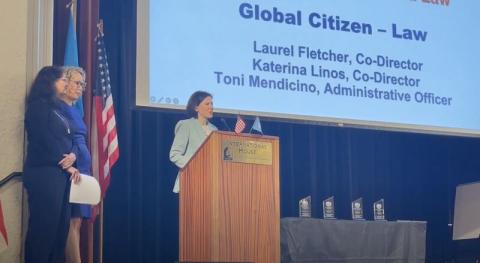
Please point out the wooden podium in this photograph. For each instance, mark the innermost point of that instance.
(229, 200)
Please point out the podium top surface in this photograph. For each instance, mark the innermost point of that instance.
(249, 135)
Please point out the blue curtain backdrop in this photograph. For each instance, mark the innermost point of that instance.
(416, 174)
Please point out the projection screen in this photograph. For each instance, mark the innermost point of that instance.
(399, 64)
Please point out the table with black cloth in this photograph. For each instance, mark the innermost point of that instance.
(319, 240)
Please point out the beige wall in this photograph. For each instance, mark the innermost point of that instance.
(13, 47)
(26, 33)
(13, 53)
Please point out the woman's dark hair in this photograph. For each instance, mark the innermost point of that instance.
(195, 99)
(43, 86)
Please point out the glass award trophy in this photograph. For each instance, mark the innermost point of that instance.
(305, 207)
(357, 209)
(329, 208)
(379, 210)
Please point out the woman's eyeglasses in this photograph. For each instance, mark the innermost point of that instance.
(81, 84)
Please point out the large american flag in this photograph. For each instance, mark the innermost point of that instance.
(105, 151)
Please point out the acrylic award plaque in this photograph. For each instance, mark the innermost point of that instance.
(329, 208)
(305, 207)
(357, 209)
(379, 210)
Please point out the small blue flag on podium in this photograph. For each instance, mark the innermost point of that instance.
(257, 126)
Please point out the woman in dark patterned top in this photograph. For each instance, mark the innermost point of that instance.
(48, 168)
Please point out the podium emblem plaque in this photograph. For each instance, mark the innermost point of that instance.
(256, 152)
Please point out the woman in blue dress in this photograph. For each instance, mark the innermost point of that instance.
(75, 88)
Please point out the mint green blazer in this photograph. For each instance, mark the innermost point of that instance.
(189, 135)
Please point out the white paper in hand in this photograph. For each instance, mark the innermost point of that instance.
(87, 191)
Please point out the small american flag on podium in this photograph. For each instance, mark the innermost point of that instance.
(240, 125)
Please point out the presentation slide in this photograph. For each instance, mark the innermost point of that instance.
(397, 64)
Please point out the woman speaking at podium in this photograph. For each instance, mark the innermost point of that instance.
(190, 133)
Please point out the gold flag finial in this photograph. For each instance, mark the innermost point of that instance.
(71, 3)
(100, 27)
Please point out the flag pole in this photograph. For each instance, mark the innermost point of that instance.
(100, 238)
(84, 15)
(100, 227)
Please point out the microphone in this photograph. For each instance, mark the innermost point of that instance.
(226, 124)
